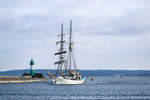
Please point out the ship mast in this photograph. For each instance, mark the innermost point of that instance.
(61, 53)
(70, 59)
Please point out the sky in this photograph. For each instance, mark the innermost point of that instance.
(107, 34)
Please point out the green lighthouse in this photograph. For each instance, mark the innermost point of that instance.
(31, 70)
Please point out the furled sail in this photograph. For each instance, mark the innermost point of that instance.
(60, 42)
(59, 62)
(58, 53)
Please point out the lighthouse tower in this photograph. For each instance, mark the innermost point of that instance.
(31, 67)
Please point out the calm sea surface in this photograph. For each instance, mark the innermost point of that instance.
(104, 87)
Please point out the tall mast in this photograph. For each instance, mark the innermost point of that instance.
(70, 59)
(70, 45)
(61, 48)
(61, 52)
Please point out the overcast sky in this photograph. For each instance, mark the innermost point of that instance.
(108, 34)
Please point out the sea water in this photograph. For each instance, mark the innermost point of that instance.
(102, 87)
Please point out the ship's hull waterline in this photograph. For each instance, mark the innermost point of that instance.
(62, 81)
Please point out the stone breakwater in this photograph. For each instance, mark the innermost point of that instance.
(20, 79)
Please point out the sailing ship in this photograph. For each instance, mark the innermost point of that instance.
(66, 72)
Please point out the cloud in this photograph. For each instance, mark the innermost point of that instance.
(107, 33)
(113, 52)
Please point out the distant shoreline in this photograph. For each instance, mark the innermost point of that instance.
(83, 72)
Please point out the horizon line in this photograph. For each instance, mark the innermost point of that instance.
(82, 69)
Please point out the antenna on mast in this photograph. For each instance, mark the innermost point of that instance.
(70, 26)
(61, 28)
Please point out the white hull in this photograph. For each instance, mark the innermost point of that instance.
(61, 80)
